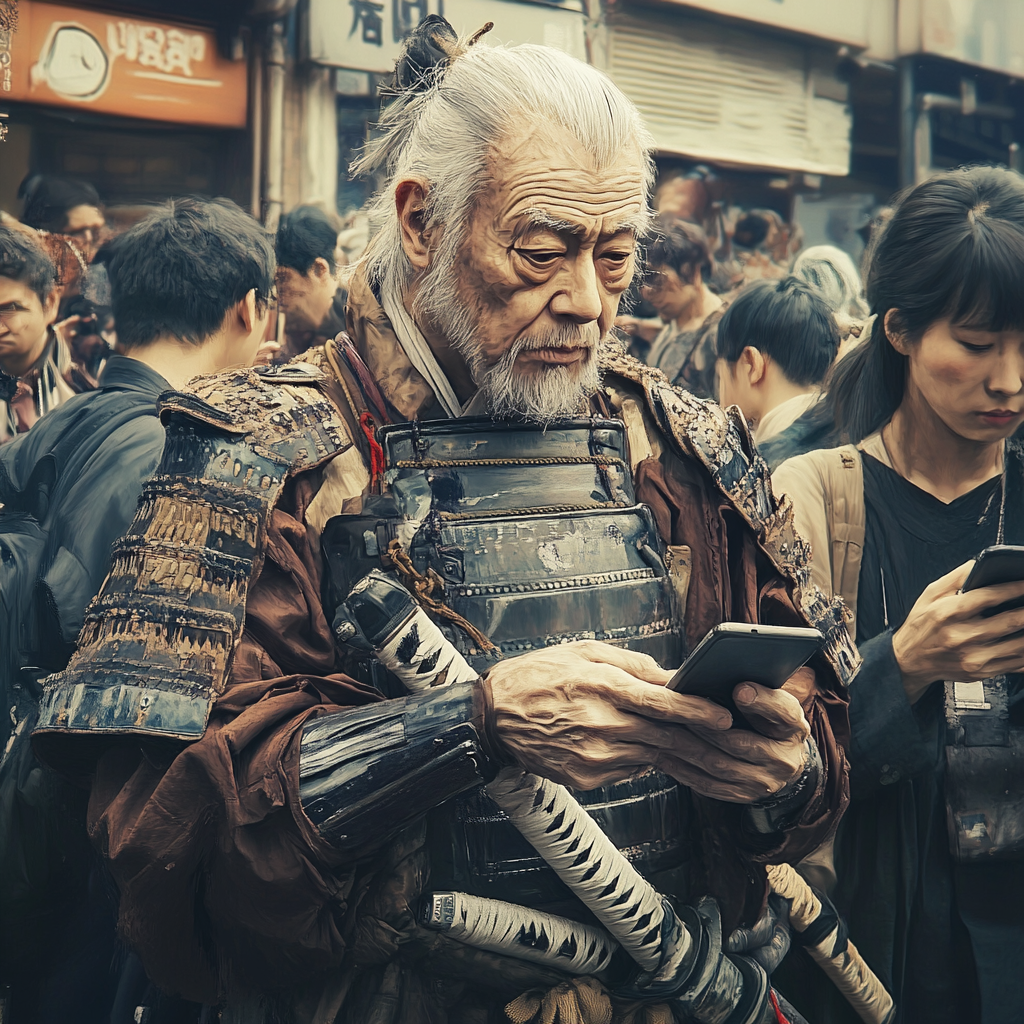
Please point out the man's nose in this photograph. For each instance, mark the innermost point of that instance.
(580, 295)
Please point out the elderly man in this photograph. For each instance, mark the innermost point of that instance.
(273, 823)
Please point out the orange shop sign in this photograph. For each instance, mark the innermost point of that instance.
(119, 64)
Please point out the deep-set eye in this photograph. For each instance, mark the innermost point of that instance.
(615, 257)
(540, 257)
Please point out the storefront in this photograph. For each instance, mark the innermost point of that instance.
(759, 92)
(962, 83)
(142, 108)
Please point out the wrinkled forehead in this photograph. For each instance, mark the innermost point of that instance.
(547, 175)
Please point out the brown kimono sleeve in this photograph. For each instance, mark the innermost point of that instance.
(220, 882)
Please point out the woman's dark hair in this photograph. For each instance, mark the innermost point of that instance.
(304, 235)
(680, 245)
(953, 250)
(181, 269)
(23, 259)
(46, 200)
(786, 320)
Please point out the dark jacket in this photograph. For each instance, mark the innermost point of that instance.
(93, 501)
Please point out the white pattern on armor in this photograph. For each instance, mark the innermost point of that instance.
(523, 933)
(584, 858)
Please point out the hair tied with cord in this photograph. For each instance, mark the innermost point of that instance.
(429, 52)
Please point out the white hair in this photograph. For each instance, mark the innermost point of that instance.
(446, 132)
(833, 273)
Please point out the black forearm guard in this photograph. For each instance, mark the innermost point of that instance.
(783, 809)
(367, 773)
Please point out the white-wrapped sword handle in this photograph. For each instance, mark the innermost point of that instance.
(849, 973)
(411, 646)
(520, 932)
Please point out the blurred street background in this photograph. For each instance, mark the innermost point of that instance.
(780, 124)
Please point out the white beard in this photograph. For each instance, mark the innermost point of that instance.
(553, 392)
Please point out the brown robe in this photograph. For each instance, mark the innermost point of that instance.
(225, 885)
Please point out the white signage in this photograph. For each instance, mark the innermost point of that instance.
(367, 35)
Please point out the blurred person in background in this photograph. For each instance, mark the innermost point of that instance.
(36, 366)
(88, 329)
(63, 206)
(678, 263)
(308, 291)
(190, 288)
(930, 856)
(835, 275)
(775, 345)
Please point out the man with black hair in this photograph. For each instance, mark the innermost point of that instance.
(190, 288)
(35, 363)
(307, 287)
(63, 206)
(776, 343)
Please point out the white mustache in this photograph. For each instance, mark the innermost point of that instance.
(564, 336)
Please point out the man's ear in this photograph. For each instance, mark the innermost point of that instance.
(411, 200)
(753, 365)
(321, 268)
(50, 305)
(246, 311)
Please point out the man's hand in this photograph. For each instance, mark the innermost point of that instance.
(947, 635)
(587, 714)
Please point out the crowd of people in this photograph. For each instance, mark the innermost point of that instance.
(217, 800)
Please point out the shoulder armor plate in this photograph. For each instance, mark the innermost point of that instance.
(156, 646)
(721, 441)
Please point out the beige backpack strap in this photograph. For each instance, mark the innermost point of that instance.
(844, 489)
(827, 491)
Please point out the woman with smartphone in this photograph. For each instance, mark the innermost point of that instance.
(929, 859)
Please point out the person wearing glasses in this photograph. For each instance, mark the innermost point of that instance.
(62, 206)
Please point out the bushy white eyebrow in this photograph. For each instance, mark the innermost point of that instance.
(537, 218)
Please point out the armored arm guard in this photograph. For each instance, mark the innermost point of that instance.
(366, 774)
(156, 647)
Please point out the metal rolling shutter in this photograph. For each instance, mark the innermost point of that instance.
(713, 92)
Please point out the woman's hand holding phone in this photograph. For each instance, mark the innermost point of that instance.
(952, 635)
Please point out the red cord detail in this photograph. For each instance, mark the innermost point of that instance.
(780, 1017)
(376, 452)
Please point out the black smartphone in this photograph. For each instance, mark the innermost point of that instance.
(736, 652)
(1001, 563)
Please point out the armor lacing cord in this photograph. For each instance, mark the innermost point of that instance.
(423, 587)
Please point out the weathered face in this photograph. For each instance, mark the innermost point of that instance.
(669, 293)
(550, 249)
(972, 380)
(305, 299)
(23, 323)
